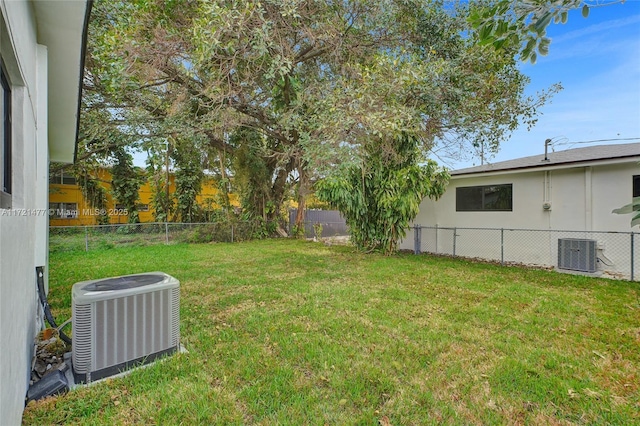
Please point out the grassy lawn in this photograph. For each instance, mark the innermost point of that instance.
(294, 332)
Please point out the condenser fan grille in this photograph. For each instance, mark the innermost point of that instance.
(121, 283)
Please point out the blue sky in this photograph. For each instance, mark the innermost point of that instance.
(597, 61)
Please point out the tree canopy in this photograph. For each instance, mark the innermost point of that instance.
(290, 92)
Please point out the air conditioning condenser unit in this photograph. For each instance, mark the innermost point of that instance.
(577, 254)
(122, 322)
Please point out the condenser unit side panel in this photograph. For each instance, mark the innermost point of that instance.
(82, 337)
(174, 336)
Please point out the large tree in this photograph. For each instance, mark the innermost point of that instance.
(318, 81)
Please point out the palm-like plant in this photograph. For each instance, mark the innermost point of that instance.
(634, 207)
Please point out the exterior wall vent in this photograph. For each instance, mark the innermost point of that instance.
(122, 322)
(577, 254)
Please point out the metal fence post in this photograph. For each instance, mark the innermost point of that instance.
(632, 256)
(166, 233)
(232, 232)
(436, 238)
(502, 246)
(417, 231)
(455, 234)
(86, 238)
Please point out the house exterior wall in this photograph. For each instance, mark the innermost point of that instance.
(612, 187)
(581, 199)
(22, 246)
(527, 198)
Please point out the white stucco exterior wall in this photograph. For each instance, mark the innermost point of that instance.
(611, 187)
(20, 245)
(581, 198)
(41, 44)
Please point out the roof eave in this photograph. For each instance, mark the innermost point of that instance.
(547, 167)
(62, 27)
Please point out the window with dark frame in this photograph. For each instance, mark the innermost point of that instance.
(485, 198)
(5, 139)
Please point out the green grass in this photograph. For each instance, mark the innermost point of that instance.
(294, 332)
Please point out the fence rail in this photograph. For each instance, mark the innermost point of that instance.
(616, 253)
(66, 238)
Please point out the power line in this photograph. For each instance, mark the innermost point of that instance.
(598, 140)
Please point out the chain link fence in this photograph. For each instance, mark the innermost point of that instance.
(609, 254)
(68, 238)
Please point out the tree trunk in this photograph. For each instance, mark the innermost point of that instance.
(303, 192)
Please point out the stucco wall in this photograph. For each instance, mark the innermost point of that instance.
(581, 199)
(19, 243)
(612, 188)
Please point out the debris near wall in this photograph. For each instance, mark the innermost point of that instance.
(48, 354)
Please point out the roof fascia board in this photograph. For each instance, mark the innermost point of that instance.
(563, 166)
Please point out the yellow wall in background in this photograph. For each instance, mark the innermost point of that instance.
(68, 207)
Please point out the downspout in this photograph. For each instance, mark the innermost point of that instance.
(546, 191)
(588, 200)
(546, 196)
(588, 215)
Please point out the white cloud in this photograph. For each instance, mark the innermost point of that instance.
(598, 29)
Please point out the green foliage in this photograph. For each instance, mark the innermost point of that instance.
(293, 89)
(158, 175)
(261, 229)
(188, 178)
(210, 233)
(222, 196)
(228, 231)
(380, 198)
(317, 230)
(160, 201)
(632, 208)
(298, 231)
(260, 179)
(125, 183)
(94, 193)
(212, 212)
(522, 25)
(295, 333)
